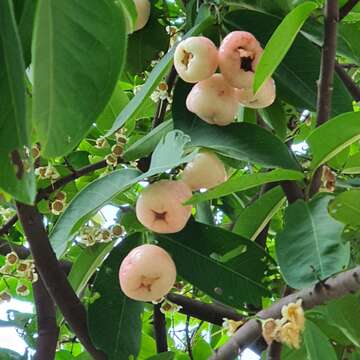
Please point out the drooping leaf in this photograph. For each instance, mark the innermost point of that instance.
(233, 282)
(114, 311)
(285, 35)
(241, 141)
(339, 132)
(255, 217)
(147, 144)
(14, 127)
(346, 207)
(240, 182)
(154, 78)
(300, 65)
(79, 50)
(317, 345)
(86, 264)
(310, 247)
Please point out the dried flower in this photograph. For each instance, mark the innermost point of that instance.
(104, 235)
(4, 296)
(111, 160)
(117, 230)
(231, 325)
(294, 313)
(271, 329)
(24, 266)
(57, 207)
(101, 143)
(35, 151)
(22, 290)
(290, 335)
(117, 150)
(61, 195)
(169, 307)
(11, 258)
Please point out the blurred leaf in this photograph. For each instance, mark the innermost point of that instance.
(86, 264)
(310, 247)
(117, 102)
(14, 134)
(242, 141)
(285, 35)
(163, 356)
(130, 12)
(7, 354)
(241, 182)
(339, 132)
(346, 207)
(275, 116)
(147, 144)
(300, 65)
(317, 345)
(113, 311)
(255, 217)
(233, 282)
(154, 78)
(201, 349)
(341, 314)
(352, 166)
(79, 51)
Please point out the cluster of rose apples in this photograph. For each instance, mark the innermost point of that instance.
(216, 97)
(148, 272)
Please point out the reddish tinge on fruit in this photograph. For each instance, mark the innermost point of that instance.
(147, 273)
(160, 206)
(196, 59)
(213, 100)
(204, 172)
(239, 55)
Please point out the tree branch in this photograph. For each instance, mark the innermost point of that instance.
(345, 283)
(344, 11)
(48, 330)
(212, 313)
(325, 87)
(54, 278)
(45, 192)
(350, 84)
(292, 191)
(160, 329)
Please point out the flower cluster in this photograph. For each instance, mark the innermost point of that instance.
(286, 330)
(92, 234)
(59, 203)
(48, 172)
(231, 325)
(22, 270)
(161, 93)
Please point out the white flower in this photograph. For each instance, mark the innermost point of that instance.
(11, 258)
(294, 313)
(231, 325)
(22, 290)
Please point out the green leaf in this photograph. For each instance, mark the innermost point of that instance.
(79, 50)
(163, 356)
(154, 78)
(256, 216)
(339, 132)
(241, 141)
(233, 282)
(114, 311)
(285, 35)
(147, 144)
(86, 264)
(117, 102)
(201, 349)
(346, 207)
(300, 65)
(241, 182)
(275, 116)
(168, 154)
(81, 208)
(14, 134)
(310, 247)
(352, 166)
(317, 345)
(129, 9)
(340, 314)
(7, 354)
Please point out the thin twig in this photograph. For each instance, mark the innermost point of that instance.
(188, 338)
(350, 84)
(160, 329)
(344, 11)
(54, 278)
(336, 287)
